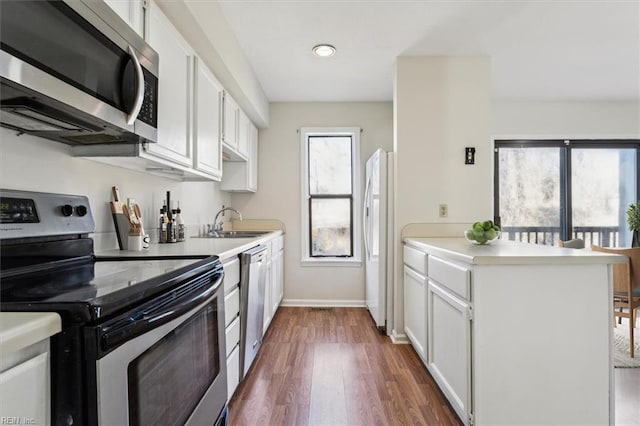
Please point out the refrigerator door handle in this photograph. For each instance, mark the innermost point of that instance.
(365, 215)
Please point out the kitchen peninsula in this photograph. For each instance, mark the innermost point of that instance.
(513, 333)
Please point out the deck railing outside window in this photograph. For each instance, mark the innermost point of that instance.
(605, 236)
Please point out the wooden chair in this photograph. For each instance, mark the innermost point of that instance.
(576, 243)
(626, 286)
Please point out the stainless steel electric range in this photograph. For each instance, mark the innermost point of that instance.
(142, 341)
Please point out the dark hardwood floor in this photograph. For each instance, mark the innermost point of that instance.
(332, 367)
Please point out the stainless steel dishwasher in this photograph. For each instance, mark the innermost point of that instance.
(252, 281)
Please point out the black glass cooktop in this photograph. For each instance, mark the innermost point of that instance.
(94, 287)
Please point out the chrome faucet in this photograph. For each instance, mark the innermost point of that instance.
(218, 226)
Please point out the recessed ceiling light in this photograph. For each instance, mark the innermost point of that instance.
(324, 50)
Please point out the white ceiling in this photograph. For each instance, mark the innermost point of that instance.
(539, 49)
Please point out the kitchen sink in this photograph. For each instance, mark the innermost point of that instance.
(235, 234)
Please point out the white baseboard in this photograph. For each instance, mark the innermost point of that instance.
(324, 303)
(399, 338)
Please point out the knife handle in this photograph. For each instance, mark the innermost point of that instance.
(116, 193)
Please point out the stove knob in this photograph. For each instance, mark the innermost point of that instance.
(81, 210)
(67, 210)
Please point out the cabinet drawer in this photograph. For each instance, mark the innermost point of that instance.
(453, 276)
(231, 306)
(233, 372)
(415, 259)
(231, 273)
(232, 334)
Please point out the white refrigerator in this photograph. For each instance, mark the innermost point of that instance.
(378, 237)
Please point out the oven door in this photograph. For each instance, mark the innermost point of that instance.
(168, 374)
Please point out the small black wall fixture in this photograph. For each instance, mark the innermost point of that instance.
(469, 155)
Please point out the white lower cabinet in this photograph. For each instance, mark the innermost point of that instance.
(232, 322)
(268, 313)
(24, 392)
(493, 344)
(449, 346)
(233, 371)
(415, 315)
(274, 285)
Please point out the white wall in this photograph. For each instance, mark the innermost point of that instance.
(441, 106)
(35, 164)
(595, 119)
(278, 195)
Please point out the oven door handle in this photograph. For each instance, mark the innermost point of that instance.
(153, 314)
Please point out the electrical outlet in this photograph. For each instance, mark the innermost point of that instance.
(443, 210)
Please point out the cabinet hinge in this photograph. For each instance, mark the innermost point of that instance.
(470, 313)
(145, 4)
(470, 418)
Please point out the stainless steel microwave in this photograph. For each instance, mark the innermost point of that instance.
(75, 72)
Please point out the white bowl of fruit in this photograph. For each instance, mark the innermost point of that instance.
(482, 232)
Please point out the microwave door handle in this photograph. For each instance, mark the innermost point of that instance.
(133, 115)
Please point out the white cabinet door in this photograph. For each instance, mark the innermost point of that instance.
(174, 90)
(231, 306)
(131, 11)
(24, 391)
(267, 298)
(253, 158)
(233, 372)
(243, 133)
(415, 307)
(449, 350)
(230, 112)
(280, 277)
(275, 290)
(207, 115)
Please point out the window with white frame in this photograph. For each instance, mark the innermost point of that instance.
(331, 195)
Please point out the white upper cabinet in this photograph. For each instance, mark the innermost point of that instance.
(193, 112)
(174, 90)
(244, 125)
(131, 11)
(230, 113)
(242, 176)
(207, 118)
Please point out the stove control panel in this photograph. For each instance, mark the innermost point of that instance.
(38, 214)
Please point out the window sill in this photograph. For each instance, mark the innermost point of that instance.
(349, 263)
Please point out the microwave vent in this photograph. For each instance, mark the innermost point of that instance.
(95, 138)
(28, 120)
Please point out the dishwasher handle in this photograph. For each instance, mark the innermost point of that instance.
(254, 254)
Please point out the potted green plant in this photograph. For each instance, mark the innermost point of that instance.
(633, 219)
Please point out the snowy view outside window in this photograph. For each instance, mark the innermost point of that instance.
(602, 184)
(330, 191)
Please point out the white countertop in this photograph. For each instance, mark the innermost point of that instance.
(195, 246)
(21, 329)
(501, 252)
